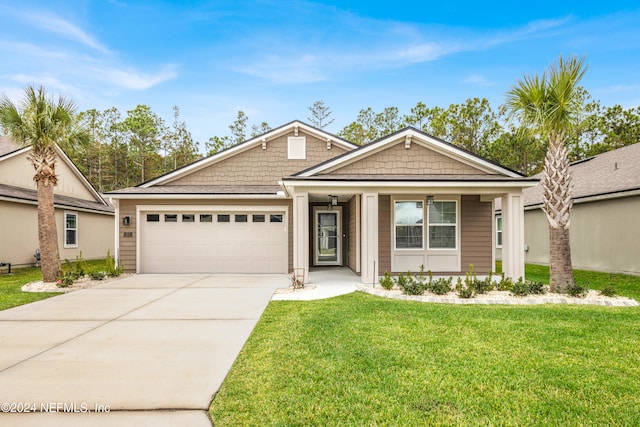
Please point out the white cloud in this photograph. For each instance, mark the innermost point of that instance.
(375, 44)
(132, 79)
(56, 24)
(478, 80)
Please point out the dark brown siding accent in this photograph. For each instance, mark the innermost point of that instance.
(128, 254)
(475, 234)
(384, 233)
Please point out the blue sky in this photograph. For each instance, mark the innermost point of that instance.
(273, 59)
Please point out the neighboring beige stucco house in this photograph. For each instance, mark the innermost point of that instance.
(605, 225)
(298, 197)
(84, 219)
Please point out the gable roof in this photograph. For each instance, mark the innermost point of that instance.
(410, 135)
(247, 145)
(9, 148)
(608, 174)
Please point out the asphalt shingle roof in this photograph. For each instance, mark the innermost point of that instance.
(611, 172)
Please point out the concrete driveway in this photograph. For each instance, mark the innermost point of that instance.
(150, 349)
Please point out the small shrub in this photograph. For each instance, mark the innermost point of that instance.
(465, 292)
(505, 283)
(412, 286)
(66, 280)
(112, 270)
(577, 291)
(401, 281)
(386, 281)
(441, 286)
(608, 291)
(520, 288)
(482, 286)
(536, 288)
(97, 275)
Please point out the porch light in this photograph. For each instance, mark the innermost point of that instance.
(334, 200)
(430, 200)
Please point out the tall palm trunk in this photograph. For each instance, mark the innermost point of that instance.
(43, 160)
(557, 185)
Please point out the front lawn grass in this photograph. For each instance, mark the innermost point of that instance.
(11, 294)
(361, 360)
(624, 284)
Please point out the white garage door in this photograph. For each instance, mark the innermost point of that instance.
(213, 242)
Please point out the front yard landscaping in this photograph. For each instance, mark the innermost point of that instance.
(366, 360)
(11, 294)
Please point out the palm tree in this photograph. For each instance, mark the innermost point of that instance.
(551, 104)
(41, 122)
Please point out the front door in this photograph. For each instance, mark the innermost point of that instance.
(327, 237)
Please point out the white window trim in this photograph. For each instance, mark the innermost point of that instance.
(66, 214)
(293, 156)
(394, 225)
(457, 225)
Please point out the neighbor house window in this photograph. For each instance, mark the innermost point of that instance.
(70, 230)
(443, 222)
(409, 224)
(498, 232)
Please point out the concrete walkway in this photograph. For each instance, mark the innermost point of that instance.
(324, 282)
(150, 349)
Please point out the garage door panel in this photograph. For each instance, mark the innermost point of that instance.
(213, 247)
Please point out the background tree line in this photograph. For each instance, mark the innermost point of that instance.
(125, 150)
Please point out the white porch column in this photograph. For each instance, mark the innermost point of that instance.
(369, 236)
(301, 233)
(513, 235)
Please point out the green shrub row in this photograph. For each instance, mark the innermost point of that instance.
(470, 286)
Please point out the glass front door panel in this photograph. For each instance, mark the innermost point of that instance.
(327, 235)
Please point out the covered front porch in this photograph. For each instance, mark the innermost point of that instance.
(370, 229)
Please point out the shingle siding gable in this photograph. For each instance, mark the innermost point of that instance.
(398, 160)
(258, 166)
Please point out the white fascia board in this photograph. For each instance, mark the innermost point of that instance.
(248, 144)
(418, 137)
(198, 196)
(596, 198)
(16, 153)
(56, 205)
(408, 187)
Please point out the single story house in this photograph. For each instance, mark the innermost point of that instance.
(604, 231)
(85, 221)
(297, 197)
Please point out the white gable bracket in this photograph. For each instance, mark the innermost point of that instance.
(407, 141)
(264, 143)
(328, 143)
(295, 130)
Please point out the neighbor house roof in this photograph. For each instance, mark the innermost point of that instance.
(613, 173)
(9, 192)
(8, 146)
